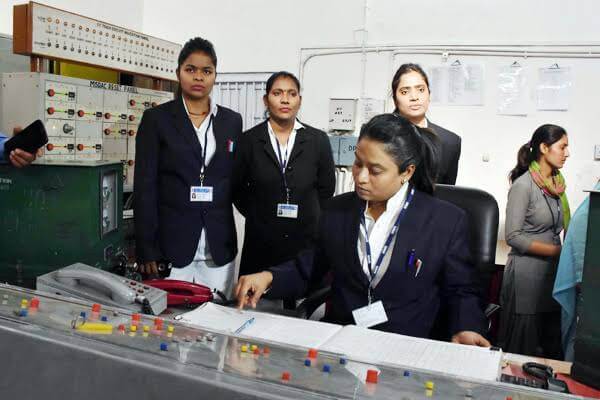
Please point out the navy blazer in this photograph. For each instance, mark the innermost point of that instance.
(258, 188)
(168, 160)
(449, 152)
(438, 232)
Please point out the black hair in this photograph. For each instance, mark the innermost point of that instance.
(281, 74)
(530, 151)
(405, 69)
(407, 144)
(197, 44)
(194, 45)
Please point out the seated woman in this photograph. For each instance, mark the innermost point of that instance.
(394, 251)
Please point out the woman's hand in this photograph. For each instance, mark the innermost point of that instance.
(543, 249)
(149, 268)
(250, 288)
(471, 338)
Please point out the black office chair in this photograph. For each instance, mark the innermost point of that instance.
(482, 211)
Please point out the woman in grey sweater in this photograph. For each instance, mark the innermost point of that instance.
(536, 213)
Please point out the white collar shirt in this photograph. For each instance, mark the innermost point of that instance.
(378, 232)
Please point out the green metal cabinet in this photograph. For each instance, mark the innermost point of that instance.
(56, 213)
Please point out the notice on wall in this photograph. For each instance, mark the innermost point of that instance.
(369, 107)
(554, 88)
(465, 84)
(512, 91)
(438, 84)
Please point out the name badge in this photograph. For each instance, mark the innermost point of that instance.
(370, 315)
(287, 210)
(201, 193)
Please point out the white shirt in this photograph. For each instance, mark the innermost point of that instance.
(203, 269)
(286, 148)
(211, 144)
(378, 232)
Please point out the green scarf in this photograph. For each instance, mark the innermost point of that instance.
(554, 187)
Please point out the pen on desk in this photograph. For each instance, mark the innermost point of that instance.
(411, 259)
(244, 325)
(419, 264)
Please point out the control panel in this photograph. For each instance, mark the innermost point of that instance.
(49, 32)
(85, 119)
(35, 327)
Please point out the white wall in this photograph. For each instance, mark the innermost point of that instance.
(261, 35)
(124, 13)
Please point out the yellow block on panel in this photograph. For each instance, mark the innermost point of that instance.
(85, 72)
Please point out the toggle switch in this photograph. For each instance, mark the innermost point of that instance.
(68, 128)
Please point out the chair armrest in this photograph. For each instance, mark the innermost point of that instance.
(312, 302)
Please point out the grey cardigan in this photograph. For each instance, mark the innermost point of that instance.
(531, 215)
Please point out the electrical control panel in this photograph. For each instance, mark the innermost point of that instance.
(85, 119)
(53, 33)
(52, 343)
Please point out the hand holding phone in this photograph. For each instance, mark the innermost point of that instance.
(21, 149)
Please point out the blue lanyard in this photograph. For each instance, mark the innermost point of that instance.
(283, 164)
(386, 245)
(204, 150)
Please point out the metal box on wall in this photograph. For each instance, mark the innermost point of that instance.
(57, 213)
(342, 114)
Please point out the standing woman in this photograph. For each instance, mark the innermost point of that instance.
(536, 212)
(283, 171)
(184, 161)
(410, 90)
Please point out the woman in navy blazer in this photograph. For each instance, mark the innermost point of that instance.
(184, 163)
(261, 185)
(393, 207)
(411, 94)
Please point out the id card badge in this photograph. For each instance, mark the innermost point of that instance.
(370, 315)
(285, 210)
(201, 193)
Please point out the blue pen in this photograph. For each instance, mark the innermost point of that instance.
(411, 259)
(244, 326)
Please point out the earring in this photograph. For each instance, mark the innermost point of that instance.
(402, 181)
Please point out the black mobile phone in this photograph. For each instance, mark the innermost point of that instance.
(29, 139)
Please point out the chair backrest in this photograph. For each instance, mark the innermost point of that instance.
(482, 210)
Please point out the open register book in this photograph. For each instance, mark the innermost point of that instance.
(356, 343)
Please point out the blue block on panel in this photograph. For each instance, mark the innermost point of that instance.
(347, 149)
(335, 148)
